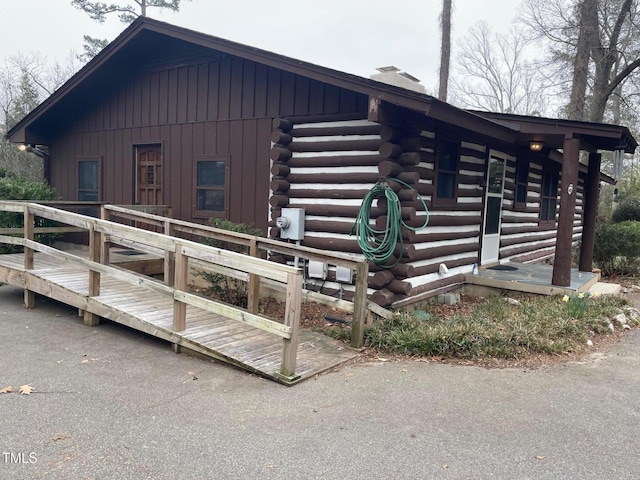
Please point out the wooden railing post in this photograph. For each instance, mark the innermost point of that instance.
(292, 319)
(95, 249)
(180, 284)
(29, 227)
(105, 245)
(359, 305)
(253, 295)
(169, 257)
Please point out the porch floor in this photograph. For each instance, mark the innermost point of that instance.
(531, 278)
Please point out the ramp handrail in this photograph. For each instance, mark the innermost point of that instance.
(355, 262)
(179, 251)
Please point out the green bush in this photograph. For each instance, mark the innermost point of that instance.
(617, 248)
(627, 210)
(19, 188)
(223, 287)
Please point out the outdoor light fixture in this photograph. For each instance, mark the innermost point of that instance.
(536, 146)
(23, 147)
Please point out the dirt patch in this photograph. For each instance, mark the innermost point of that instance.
(313, 316)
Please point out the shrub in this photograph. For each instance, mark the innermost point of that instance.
(628, 209)
(617, 248)
(20, 188)
(228, 289)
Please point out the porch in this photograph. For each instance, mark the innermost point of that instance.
(531, 278)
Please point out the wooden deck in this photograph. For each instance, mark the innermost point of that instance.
(209, 334)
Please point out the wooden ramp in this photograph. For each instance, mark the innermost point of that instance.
(209, 334)
(92, 281)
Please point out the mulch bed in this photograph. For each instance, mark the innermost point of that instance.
(314, 317)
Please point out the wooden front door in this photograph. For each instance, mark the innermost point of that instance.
(149, 175)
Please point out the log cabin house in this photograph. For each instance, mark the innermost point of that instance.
(166, 115)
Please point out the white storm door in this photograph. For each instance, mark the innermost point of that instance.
(492, 210)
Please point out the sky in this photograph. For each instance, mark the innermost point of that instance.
(354, 36)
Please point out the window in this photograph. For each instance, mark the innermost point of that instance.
(446, 170)
(522, 178)
(211, 187)
(549, 196)
(89, 184)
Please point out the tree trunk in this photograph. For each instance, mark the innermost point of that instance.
(445, 50)
(588, 31)
(605, 57)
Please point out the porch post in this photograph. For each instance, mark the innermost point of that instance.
(568, 182)
(590, 209)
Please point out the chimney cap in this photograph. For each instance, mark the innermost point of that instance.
(390, 68)
(409, 76)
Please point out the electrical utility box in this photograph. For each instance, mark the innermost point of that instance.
(291, 223)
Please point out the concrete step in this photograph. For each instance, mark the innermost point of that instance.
(602, 288)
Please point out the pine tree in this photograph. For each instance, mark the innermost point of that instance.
(127, 13)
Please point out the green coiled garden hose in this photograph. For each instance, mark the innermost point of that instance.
(378, 246)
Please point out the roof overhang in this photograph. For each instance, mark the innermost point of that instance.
(593, 136)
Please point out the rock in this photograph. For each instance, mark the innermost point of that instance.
(611, 327)
(626, 327)
(589, 343)
(621, 318)
(512, 301)
(632, 312)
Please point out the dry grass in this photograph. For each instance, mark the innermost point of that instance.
(492, 329)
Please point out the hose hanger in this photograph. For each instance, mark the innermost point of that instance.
(378, 246)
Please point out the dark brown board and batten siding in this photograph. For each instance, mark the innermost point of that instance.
(210, 108)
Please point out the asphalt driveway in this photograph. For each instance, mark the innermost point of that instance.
(110, 403)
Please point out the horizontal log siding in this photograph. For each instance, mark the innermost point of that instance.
(329, 168)
(219, 107)
(453, 234)
(524, 238)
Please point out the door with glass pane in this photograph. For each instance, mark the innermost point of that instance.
(490, 252)
(89, 180)
(149, 175)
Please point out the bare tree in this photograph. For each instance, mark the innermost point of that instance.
(445, 49)
(24, 81)
(607, 55)
(492, 74)
(587, 31)
(608, 29)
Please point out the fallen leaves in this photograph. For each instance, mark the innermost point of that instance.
(26, 390)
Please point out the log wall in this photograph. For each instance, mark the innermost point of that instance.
(524, 237)
(327, 168)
